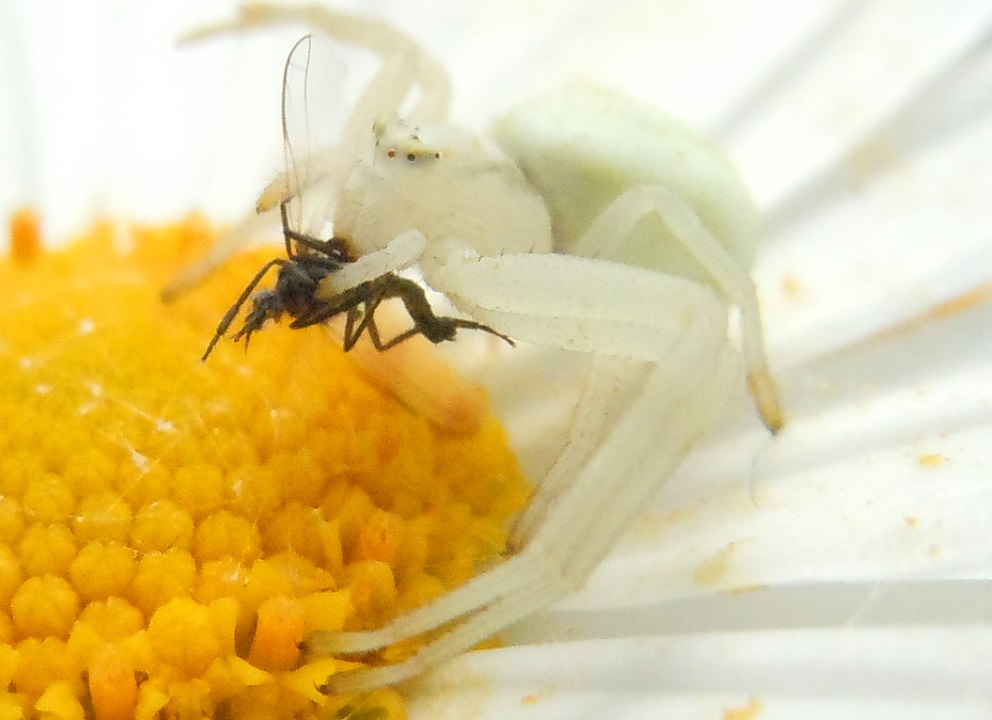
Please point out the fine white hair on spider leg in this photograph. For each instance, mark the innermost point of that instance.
(589, 223)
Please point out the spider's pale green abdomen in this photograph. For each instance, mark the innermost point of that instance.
(582, 147)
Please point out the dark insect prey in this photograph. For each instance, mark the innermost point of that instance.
(308, 262)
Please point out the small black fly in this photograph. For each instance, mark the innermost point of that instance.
(308, 262)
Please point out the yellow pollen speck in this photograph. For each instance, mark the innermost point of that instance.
(792, 287)
(748, 712)
(715, 569)
(171, 531)
(113, 685)
(931, 459)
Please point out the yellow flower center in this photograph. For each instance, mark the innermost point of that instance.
(171, 530)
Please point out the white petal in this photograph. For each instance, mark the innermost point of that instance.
(864, 130)
(891, 672)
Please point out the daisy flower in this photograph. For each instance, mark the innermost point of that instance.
(841, 567)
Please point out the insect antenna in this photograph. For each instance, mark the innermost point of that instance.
(311, 103)
(232, 312)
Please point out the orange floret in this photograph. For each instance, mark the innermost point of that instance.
(25, 237)
(113, 685)
(278, 634)
(171, 530)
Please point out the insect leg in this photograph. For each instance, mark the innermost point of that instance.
(334, 249)
(434, 328)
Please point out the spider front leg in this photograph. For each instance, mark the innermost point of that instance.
(606, 238)
(405, 65)
(658, 383)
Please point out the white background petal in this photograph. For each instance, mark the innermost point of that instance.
(870, 674)
(864, 130)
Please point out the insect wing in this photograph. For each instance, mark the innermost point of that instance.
(312, 116)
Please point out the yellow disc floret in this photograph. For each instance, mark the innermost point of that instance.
(171, 530)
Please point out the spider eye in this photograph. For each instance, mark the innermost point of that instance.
(391, 153)
(411, 157)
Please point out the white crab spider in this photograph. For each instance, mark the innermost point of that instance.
(592, 224)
